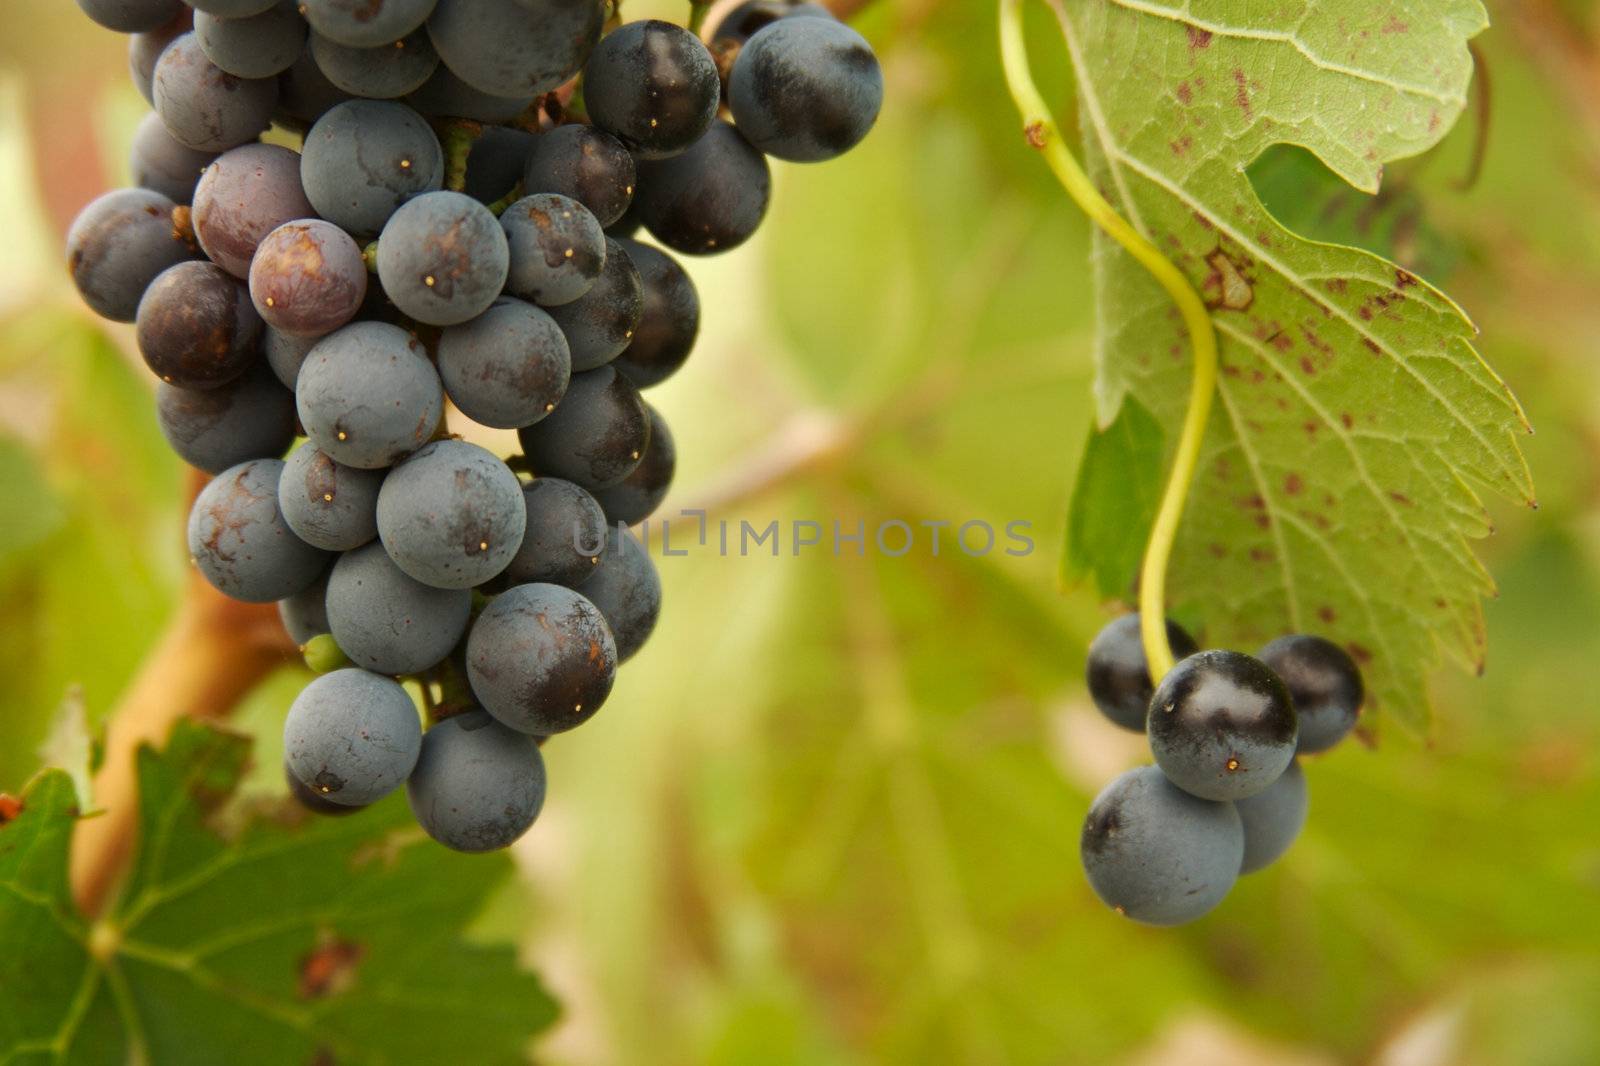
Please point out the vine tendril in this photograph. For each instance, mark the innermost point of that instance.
(1045, 136)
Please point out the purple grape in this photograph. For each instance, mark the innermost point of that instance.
(240, 542)
(442, 258)
(669, 324)
(205, 107)
(365, 158)
(121, 243)
(163, 165)
(196, 327)
(308, 278)
(368, 396)
(515, 49)
(599, 324)
(541, 659)
(243, 196)
(507, 368)
(557, 247)
(329, 505)
(214, 429)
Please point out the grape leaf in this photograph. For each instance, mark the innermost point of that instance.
(335, 941)
(1356, 423)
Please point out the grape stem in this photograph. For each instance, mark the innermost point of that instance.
(1044, 136)
(697, 15)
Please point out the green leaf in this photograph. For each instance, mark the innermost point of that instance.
(1355, 423)
(276, 942)
(1115, 500)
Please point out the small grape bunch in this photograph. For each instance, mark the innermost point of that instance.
(1227, 796)
(445, 232)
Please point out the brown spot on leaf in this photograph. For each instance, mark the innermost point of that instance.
(10, 808)
(1241, 94)
(1359, 652)
(1184, 93)
(329, 968)
(1293, 485)
(1327, 614)
(1228, 286)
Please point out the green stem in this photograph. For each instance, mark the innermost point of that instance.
(459, 137)
(697, 15)
(1043, 134)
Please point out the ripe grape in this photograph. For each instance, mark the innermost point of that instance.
(446, 96)
(1119, 676)
(596, 436)
(746, 20)
(478, 785)
(305, 94)
(243, 196)
(511, 49)
(144, 49)
(260, 46)
(1157, 854)
(365, 158)
(305, 614)
(205, 107)
(368, 396)
(387, 621)
(366, 23)
(131, 16)
(1222, 725)
(308, 278)
(233, 9)
(541, 659)
(1325, 684)
(600, 324)
(121, 243)
(1273, 819)
(557, 247)
(286, 353)
(352, 737)
(565, 537)
(627, 590)
(214, 429)
(240, 542)
(381, 73)
(451, 515)
(654, 86)
(589, 165)
(709, 199)
(309, 800)
(669, 322)
(196, 327)
(163, 165)
(496, 163)
(327, 504)
(805, 89)
(443, 258)
(636, 497)
(507, 368)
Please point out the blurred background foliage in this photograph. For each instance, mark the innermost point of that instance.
(830, 816)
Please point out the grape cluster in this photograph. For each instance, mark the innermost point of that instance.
(1164, 844)
(353, 214)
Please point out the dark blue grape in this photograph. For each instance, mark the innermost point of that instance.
(131, 16)
(285, 354)
(308, 278)
(232, 9)
(1119, 676)
(305, 614)
(709, 199)
(366, 23)
(749, 18)
(451, 515)
(240, 542)
(597, 434)
(637, 496)
(1222, 725)
(365, 158)
(496, 163)
(443, 258)
(196, 327)
(589, 165)
(327, 504)
(510, 49)
(121, 243)
(1157, 854)
(162, 165)
(1325, 684)
(558, 249)
(382, 73)
(243, 196)
(387, 621)
(805, 89)
(144, 49)
(654, 86)
(260, 46)
(310, 800)
(205, 107)
(214, 429)
(446, 96)
(565, 537)
(541, 659)
(368, 396)
(478, 785)
(627, 590)
(669, 323)
(600, 324)
(1272, 819)
(352, 737)
(507, 368)
(305, 94)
